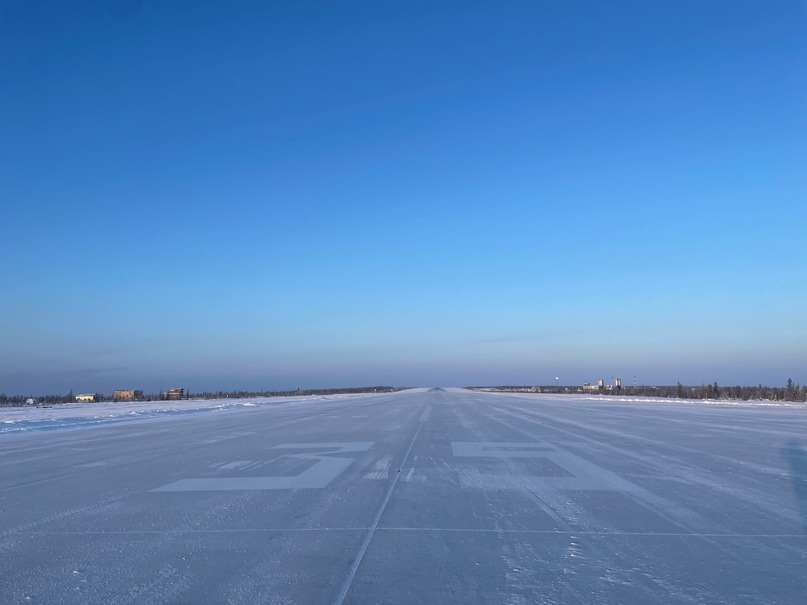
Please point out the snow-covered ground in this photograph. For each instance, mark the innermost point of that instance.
(424, 496)
(27, 418)
(675, 401)
(654, 400)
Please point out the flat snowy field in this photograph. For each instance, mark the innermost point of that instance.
(423, 496)
(27, 418)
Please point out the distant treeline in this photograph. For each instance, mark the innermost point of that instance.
(19, 400)
(790, 392)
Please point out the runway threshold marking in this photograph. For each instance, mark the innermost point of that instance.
(325, 469)
(582, 475)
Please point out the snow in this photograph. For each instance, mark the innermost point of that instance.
(673, 401)
(27, 418)
(487, 498)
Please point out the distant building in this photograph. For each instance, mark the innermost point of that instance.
(30, 401)
(127, 395)
(173, 394)
(587, 386)
(85, 398)
(601, 386)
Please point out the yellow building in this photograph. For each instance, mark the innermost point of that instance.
(85, 398)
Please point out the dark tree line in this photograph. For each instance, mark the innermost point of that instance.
(13, 400)
(273, 393)
(790, 392)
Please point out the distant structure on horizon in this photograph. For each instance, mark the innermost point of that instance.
(85, 398)
(172, 394)
(601, 386)
(127, 395)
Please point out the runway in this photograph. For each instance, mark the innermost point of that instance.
(421, 496)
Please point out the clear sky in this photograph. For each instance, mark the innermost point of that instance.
(309, 194)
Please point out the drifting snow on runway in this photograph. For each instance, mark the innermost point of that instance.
(429, 496)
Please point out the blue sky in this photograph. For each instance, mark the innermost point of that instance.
(311, 194)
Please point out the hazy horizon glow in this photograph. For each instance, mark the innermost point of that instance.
(272, 195)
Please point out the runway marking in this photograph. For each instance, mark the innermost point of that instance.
(424, 417)
(582, 475)
(410, 475)
(235, 464)
(325, 470)
(118, 462)
(380, 469)
(363, 549)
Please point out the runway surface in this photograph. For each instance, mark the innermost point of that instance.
(422, 496)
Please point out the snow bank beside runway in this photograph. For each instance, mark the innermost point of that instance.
(20, 419)
(718, 402)
(573, 398)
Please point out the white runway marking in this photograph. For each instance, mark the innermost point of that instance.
(325, 470)
(584, 474)
(363, 549)
(380, 469)
(235, 464)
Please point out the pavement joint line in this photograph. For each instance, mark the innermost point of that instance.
(557, 532)
(363, 549)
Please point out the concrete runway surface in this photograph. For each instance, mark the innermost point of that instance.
(422, 496)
